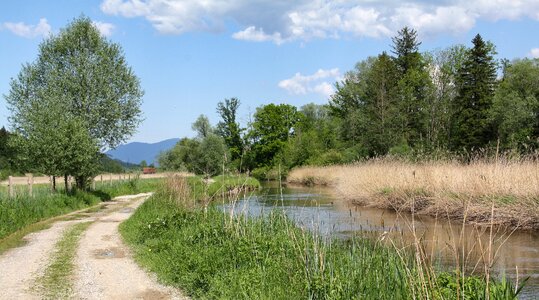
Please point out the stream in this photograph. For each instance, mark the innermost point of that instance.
(516, 254)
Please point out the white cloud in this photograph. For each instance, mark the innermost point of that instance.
(279, 21)
(534, 53)
(257, 35)
(29, 31)
(315, 83)
(105, 29)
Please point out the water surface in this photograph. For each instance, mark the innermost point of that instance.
(516, 254)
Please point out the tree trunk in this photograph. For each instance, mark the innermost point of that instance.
(66, 182)
(54, 183)
(81, 182)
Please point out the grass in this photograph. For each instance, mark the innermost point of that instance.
(24, 214)
(56, 282)
(213, 254)
(439, 188)
(232, 184)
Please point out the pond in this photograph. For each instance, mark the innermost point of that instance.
(516, 254)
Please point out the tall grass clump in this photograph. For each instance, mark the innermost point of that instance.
(212, 253)
(439, 187)
(15, 213)
(23, 209)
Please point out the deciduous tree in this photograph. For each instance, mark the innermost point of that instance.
(84, 76)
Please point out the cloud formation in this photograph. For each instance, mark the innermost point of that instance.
(105, 29)
(29, 31)
(534, 53)
(315, 83)
(280, 21)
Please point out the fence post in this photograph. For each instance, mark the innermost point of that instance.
(10, 186)
(93, 184)
(129, 177)
(110, 178)
(30, 185)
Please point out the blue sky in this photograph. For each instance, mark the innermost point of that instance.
(191, 54)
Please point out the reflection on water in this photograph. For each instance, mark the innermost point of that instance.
(316, 208)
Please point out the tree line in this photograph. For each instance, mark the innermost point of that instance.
(454, 102)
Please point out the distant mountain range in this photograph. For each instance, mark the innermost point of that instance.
(136, 152)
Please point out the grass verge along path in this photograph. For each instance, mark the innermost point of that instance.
(56, 282)
(23, 215)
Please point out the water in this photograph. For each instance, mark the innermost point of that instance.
(318, 209)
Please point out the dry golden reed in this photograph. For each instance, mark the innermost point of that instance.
(438, 188)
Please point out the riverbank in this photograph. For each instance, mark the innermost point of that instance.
(505, 193)
(212, 253)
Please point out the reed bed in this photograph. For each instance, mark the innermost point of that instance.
(452, 189)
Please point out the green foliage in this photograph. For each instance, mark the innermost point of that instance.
(228, 128)
(476, 82)
(272, 127)
(55, 282)
(516, 105)
(406, 49)
(445, 65)
(202, 127)
(143, 164)
(7, 154)
(23, 210)
(350, 93)
(227, 183)
(205, 156)
(77, 97)
(453, 286)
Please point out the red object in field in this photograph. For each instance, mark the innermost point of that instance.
(148, 170)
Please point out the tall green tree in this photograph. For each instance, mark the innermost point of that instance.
(85, 76)
(515, 107)
(272, 127)
(444, 65)
(6, 153)
(350, 93)
(228, 128)
(202, 127)
(406, 49)
(476, 82)
(379, 116)
(314, 138)
(415, 86)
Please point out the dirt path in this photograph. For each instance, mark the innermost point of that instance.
(20, 266)
(104, 267)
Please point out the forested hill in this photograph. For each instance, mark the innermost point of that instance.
(136, 152)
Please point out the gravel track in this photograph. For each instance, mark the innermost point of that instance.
(104, 266)
(20, 266)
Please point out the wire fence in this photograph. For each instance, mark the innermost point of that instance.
(31, 186)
